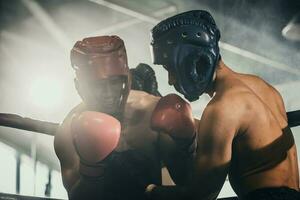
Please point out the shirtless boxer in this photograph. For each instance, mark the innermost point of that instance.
(243, 131)
(105, 145)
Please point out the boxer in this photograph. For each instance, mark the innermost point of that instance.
(243, 131)
(106, 147)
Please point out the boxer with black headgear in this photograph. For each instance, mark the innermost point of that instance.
(187, 46)
(105, 145)
(243, 131)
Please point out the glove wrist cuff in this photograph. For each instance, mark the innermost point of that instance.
(187, 145)
(91, 171)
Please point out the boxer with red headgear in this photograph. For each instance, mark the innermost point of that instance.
(106, 146)
(102, 73)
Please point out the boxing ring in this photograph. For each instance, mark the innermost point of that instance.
(49, 128)
(4, 196)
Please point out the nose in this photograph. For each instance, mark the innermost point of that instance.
(172, 79)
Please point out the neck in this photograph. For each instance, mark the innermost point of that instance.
(221, 73)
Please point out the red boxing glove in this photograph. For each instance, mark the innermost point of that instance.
(173, 116)
(95, 136)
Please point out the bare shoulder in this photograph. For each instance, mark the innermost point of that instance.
(139, 108)
(220, 121)
(263, 85)
(219, 108)
(77, 109)
(136, 123)
(276, 94)
(266, 92)
(232, 100)
(253, 78)
(142, 100)
(232, 107)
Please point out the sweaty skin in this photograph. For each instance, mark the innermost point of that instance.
(103, 83)
(136, 133)
(245, 114)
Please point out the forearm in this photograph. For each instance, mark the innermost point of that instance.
(88, 141)
(173, 116)
(186, 147)
(179, 169)
(179, 163)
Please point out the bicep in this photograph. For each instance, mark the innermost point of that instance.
(64, 148)
(69, 163)
(213, 156)
(215, 135)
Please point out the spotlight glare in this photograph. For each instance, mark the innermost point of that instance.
(46, 93)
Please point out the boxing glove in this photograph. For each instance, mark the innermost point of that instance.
(95, 135)
(143, 78)
(173, 116)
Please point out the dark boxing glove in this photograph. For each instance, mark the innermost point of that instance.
(144, 79)
(95, 136)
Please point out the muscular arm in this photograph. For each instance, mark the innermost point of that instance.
(77, 186)
(216, 131)
(67, 156)
(177, 162)
(215, 134)
(172, 118)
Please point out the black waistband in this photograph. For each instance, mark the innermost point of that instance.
(265, 158)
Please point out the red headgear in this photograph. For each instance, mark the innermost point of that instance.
(99, 57)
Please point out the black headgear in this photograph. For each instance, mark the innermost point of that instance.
(187, 44)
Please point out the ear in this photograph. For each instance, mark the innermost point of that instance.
(214, 76)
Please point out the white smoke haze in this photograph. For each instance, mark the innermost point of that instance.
(36, 79)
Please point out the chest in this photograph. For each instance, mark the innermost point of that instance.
(136, 134)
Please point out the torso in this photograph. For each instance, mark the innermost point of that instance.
(137, 147)
(263, 119)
